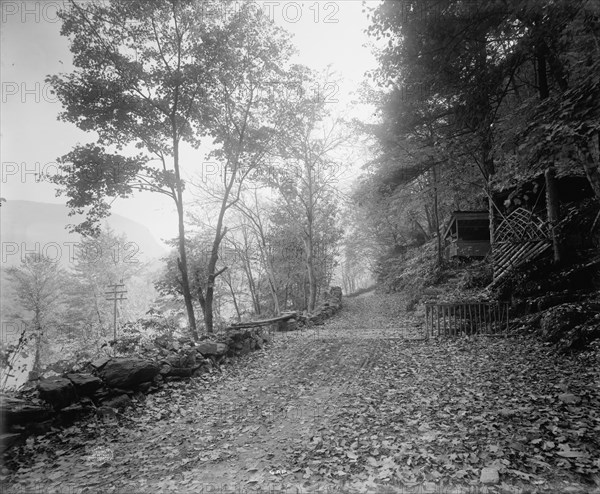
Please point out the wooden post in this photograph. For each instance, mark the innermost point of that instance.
(492, 212)
(444, 316)
(471, 313)
(553, 210)
(117, 294)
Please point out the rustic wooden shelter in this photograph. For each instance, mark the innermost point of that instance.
(467, 235)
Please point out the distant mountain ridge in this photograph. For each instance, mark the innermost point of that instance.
(41, 227)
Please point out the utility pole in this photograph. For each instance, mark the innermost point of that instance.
(116, 295)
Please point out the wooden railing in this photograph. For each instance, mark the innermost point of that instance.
(468, 317)
(281, 322)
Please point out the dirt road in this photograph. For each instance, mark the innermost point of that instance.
(357, 405)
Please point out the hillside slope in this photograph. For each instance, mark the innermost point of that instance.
(27, 223)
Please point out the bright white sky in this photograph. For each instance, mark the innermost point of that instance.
(326, 33)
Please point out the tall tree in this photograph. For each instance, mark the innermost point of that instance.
(308, 171)
(141, 79)
(252, 84)
(39, 284)
(253, 210)
(562, 119)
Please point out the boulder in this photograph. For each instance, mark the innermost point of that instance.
(239, 335)
(163, 341)
(58, 391)
(122, 391)
(173, 361)
(200, 371)
(106, 414)
(246, 347)
(180, 371)
(188, 359)
(99, 363)
(70, 414)
(128, 372)
(8, 440)
(101, 393)
(221, 349)
(207, 347)
(118, 402)
(85, 384)
(144, 387)
(489, 476)
(16, 411)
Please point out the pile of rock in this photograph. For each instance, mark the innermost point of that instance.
(331, 302)
(112, 382)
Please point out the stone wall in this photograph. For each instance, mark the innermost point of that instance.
(112, 383)
(330, 303)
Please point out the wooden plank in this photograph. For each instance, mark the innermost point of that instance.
(264, 322)
(530, 252)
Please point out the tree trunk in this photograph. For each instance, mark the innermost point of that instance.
(553, 209)
(591, 164)
(234, 298)
(542, 74)
(492, 215)
(208, 310)
(268, 264)
(310, 271)
(182, 261)
(37, 360)
(437, 216)
(252, 286)
(266, 260)
(212, 263)
(309, 242)
(304, 292)
(249, 276)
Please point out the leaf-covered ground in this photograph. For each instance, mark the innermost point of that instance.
(358, 405)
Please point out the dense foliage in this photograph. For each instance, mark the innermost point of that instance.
(475, 97)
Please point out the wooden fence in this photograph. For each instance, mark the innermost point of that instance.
(456, 318)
